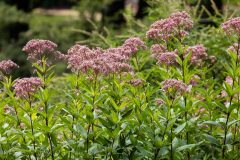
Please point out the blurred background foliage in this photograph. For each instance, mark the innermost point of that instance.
(105, 23)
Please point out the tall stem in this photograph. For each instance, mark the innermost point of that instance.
(225, 135)
(46, 107)
(238, 82)
(171, 149)
(171, 137)
(93, 108)
(73, 116)
(32, 130)
(165, 130)
(185, 104)
(226, 127)
(137, 61)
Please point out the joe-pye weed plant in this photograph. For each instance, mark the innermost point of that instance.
(110, 108)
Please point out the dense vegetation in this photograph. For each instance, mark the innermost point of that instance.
(165, 87)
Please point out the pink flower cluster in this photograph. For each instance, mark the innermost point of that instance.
(232, 26)
(212, 59)
(174, 86)
(97, 60)
(167, 58)
(112, 60)
(134, 44)
(194, 80)
(136, 82)
(7, 109)
(36, 49)
(6, 66)
(228, 80)
(176, 25)
(25, 87)
(157, 50)
(199, 54)
(235, 48)
(159, 101)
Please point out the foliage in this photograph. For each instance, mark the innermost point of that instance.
(154, 111)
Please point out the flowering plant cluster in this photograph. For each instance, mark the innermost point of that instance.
(149, 98)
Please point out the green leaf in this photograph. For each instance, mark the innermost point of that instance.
(232, 107)
(187, 147)
(126, 114)
(232, 122)
(211, 123)
(180, 128)
(78, 128)
(95, 148)
(211, 139)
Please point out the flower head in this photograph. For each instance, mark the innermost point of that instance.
(235, 48)
(6, 66)
(232, 26)
(7, 109)
(22, 125)
(167, 58)
(36, 49)
(194, 80)
(212, 59)
(159, 101)
(135, 44)
(199, 54)
(136, 82)
(182, 20)
(176, 25)
(229, 80)
(112, 60)
(157, 49)
(25, 87)
(174, 86)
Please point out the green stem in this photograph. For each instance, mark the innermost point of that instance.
(88, 137)
(137, 61)
(185, 104)
(165, 129)
(46, 111)
(51, 146)
(93, 108)
(171, 147)
(238, 82)
(225, 136)
(32, 130)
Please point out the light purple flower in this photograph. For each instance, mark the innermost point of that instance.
(135, 44)
(6, 66)
(112, 60)
(176, 25)
(194, 80)
(199, 54)
(159, 101)
(36, 49)
(157, 50)
(229, 80)
(7, 109)
(235, 48)
(136, 82)
(174, 86)
(182, 20)
(26, 87)
(167, 58)
(212, 59)
(232, 26)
